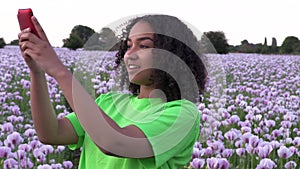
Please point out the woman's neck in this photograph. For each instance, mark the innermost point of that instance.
(151, 92)
(145, 91)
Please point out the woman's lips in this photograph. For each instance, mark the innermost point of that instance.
(133, 66)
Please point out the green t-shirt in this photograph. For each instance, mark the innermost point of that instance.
(172, 129)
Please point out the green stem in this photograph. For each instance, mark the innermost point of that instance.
(252, 161)
(248, 162)
(235, 160)
(19, 161)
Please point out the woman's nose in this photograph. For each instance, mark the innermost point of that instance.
(131, 53)
(131, 49)
(132, 56)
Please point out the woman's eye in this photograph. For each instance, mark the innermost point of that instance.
(144, 46)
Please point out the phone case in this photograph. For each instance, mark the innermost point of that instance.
(24, 17)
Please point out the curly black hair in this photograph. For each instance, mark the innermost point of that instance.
(177, 40)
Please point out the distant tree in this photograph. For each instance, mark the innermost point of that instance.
(265, 42)
(288, 45)
(2, 43)
(296, 48)
(244, 42)
(265, 48)
(274, 47)
(73, 42)
(274, 42)
(247, 47)
(206, 46)
(79, 35)
(218, 40)
(14, 42)
(108, 38)
(233, 49)
(105, 40)
(258, 47)
(93, 42)
(83, 32)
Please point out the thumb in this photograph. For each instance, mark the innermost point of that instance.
(39, 28)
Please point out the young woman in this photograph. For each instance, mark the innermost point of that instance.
(155, 126)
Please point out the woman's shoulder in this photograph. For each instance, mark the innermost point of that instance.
(113, 96)
(185, 106)
(181, 103)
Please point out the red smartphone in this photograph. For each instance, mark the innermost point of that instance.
(24, 17)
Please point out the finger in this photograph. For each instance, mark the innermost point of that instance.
(28, 36)
(23, 35)
(26, 45)
(39, 28)
(27, 30)
(27, 58)
(28, 53)
(19, 35)
(23, 31)
(21, 45)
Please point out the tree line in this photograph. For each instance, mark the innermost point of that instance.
(84, 37)
(212, 41)
(290, 45)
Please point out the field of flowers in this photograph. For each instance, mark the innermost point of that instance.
(253, 123)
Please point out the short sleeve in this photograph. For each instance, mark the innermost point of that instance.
(78, 129)
(173, 133)
(77, 126)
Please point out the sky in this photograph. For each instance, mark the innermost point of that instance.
(238, 19)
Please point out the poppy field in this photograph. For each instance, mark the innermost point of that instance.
(253, 123)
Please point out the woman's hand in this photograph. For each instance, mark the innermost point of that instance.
(38, 52)
(29, 61)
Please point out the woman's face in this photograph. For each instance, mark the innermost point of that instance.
(138, 57)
